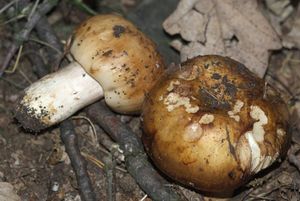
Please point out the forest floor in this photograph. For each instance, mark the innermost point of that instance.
(36, 164)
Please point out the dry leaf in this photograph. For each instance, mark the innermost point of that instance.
(234, 28)
(279, 13)
(292, 39)
(7, 192)
(281, 8)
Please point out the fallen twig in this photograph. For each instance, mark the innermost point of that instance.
(135, 158)
(43, 8)
(37, 61)
(7, 6)
(110, 167)
(69, 138)
(45, 32)
(293, 160)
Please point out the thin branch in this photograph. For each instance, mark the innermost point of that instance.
(33, 9)
(47, 34)
(7, 6)
(110, 166)
(69, 138)
(136, 160)
(294, 160)
(43, 8)
(37, 61)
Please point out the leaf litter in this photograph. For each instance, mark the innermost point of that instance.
(233, 28)
(247, 31)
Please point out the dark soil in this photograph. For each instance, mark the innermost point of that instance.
(37, 165)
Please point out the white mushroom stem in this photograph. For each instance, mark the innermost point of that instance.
(57, 96)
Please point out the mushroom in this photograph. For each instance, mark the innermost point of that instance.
(212, 124)
(112, 60)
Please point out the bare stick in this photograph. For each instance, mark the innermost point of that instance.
(43, 8)
(135, 158)
(110, 166)
(294, 160)
(36, 59)
(45, 31)
(69, 138)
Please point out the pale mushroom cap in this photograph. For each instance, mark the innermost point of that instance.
(120, 57)
(212, 125)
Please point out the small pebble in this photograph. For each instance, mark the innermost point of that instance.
(55, 186)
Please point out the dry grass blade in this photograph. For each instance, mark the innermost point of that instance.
(94, 136)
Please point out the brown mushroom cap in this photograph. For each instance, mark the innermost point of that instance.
(212, 124)
(120, 57)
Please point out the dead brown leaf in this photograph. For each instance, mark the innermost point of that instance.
(7, 192)
(234, 28)
(280, 8)
(292, 39)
